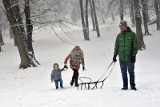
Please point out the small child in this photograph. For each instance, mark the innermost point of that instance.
(56, 75)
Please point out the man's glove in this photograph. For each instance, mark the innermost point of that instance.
(83, 68)
(65, 66)
(133, 59)
(114, 58)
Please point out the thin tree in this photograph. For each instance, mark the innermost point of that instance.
(113, 18)
(85, 33)
(145, 15)
(132, 12)
(92, 15)
(157, 9)
(1, 38)
(138, 25)
(86, 18)
(121, 9)
(95, 16)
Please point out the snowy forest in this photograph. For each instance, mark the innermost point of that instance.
(21, 17)
(35, 34)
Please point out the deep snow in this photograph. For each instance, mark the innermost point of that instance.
(32, 87)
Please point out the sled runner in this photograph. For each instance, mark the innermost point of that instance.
(95, 84)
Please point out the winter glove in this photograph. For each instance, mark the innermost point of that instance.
(83, 68)
(65, 66)
(114, 58)
(133, 59)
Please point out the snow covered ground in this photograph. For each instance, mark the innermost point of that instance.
(32, 87)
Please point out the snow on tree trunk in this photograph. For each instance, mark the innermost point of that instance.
(29, 29)
(15, 20)
(86, 37)
(138, 25)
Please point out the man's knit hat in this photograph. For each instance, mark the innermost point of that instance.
(123, 23)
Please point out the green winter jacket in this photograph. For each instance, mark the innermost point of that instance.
(126, 45)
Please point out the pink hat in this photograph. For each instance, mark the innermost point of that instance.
(77, 47)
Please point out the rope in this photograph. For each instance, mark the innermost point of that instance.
(105, 71)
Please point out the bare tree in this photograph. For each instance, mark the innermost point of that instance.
(95, 17)
(121, 9)
(1, 40)
(138, 24)
(145, 16)
(85, 33)
(17, 26)
(132, 12)
(86, 18)
(92, 16)
(157, 9)
(29, 29)
(1, 36)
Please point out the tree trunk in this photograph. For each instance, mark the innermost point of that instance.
(29, 29)
(86, 18)
(82, 19)
(92, 16)
(15, 20)
(1, 38)
(146, 9)
(138, 25)
(96, 21)
(113, 18)
(132, 13)
(157, 9)
(121, 10)
(144, 12)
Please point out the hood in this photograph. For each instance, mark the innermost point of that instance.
(77, 48)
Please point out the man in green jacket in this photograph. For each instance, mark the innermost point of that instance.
(126, 47)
